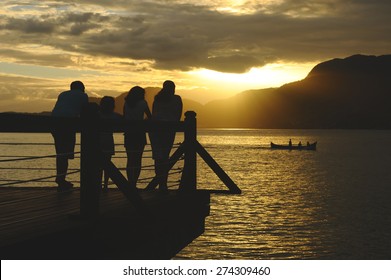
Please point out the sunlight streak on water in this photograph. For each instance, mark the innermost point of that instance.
(298, 204)
(333, 203)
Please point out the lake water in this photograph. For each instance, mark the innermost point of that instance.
(333, 203)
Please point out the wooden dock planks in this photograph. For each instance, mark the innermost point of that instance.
(40, 223)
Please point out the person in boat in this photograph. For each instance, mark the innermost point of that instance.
(299, 145)
(290, 143)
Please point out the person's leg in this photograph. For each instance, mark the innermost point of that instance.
(64, 144)
(163, 186)
(105, 175)
(168, 141)
(161, 173)
(105, 180)
(62, 169)
(133, 167)
(137, 165)
(161, 153)
(129, 172)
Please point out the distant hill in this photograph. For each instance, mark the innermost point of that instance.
(354, 92)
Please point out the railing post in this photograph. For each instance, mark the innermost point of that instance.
(189, 175)
(90, 161)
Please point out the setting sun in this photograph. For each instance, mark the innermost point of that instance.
(271, 75)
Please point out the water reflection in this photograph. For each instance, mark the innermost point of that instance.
(298, 204)
(330, 204)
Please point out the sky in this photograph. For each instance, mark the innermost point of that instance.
(210, 49)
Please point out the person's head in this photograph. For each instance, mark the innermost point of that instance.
(169, 87)
(166, 92)
(77, 85)
(135, 94)
(107, 104)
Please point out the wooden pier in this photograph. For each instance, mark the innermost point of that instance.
(122, 223)
(40, 223)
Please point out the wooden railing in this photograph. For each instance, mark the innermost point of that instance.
(90, 124)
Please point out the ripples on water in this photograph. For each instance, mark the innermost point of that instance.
(333, 203)
(330, 204)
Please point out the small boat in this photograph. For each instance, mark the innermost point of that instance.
(311, 147)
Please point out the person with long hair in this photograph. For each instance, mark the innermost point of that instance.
(135, 108)
(167, 106)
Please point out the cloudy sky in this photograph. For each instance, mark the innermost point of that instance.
(211, 49)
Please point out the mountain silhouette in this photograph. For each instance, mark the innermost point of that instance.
(354, 92)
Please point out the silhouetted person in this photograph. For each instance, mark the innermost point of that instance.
(69, 104)
(299, 145)
(135, 108)
(290, 143)
(166, 107)
(107, 105)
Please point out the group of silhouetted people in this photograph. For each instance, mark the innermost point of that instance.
(167, 106)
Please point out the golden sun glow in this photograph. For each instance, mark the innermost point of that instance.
(272, 75)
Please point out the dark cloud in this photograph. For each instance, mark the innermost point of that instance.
(31, 25)
(181, 35)
(77, 24)
(233, 63)
(23, 57)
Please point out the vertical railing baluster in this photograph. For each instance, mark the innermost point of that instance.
(189, 175)
(90, 162)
